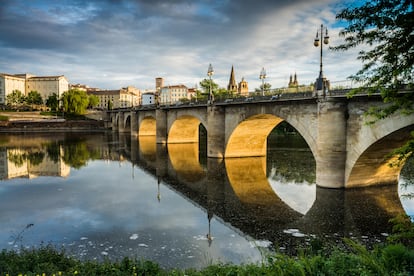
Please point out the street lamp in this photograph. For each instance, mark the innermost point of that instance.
(210, 72)
(321, 81)
(262, 77)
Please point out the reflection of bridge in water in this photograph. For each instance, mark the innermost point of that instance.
(238, 192)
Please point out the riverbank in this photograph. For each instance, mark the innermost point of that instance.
(36, 122)
(49, 125)
(393, 259)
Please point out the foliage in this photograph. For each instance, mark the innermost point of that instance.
(53, 102)
(34, 97)
(266, 87)
(77, 154)
(110, 105)
(385, 29)
(15, 98)
(4, 118)
(205, 86)
(93, 101)
(75, 101)
(388, 260)
(18, 159)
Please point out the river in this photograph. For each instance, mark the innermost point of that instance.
(104, 195)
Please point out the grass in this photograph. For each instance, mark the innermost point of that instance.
(390, 259)
(395, 257)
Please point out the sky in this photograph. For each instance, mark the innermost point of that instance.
(111, 44)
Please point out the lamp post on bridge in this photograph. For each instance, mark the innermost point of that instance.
(262, 77)
(210, 72)
(322, 84)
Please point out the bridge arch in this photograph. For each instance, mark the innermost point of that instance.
(249, 137)
(185, 129)
(114, 120)
(127, 122)
(374, 167)
(368, 153)
(147, 126)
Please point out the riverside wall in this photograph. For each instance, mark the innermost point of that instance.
(51, 125)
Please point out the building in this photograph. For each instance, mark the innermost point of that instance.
(232, 86)
(120, 98)
(44, 85)
(10, 83)
(148, 98)
(192, 93)
(243, 88)
(159, 82)
(173, 93)
(293, 83)
(47, 85)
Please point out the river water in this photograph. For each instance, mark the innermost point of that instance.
(105, 195)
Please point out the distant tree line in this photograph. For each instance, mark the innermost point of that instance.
(73, 101)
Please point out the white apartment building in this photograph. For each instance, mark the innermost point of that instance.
(48, 85)
(148, 98)
(45, 86)
(9, 83)
(173, 93)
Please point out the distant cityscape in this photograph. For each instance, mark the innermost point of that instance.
(124, 97)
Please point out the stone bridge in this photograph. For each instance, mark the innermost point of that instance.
(348, 151)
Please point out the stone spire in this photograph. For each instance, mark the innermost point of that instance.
(232, 81)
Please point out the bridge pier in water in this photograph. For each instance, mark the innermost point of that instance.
(216, 132)
(331, 143)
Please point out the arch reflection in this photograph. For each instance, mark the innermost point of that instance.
(184, 160)
(147, 147)
(248, 180)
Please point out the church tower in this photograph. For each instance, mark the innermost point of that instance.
(232, 87)
(243, 88)
(293, 83)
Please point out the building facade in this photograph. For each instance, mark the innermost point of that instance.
(148, 98)
(47, 86)
(120, 98)
(173, 93)
(44, 85)
(10, 83)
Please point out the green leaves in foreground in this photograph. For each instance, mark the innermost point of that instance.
(392, 259)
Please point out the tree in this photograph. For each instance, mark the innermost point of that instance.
(205, 86)
(75, 101)
(34, 97)
(15, 98)
(385, 29)
(93, 101)
(266, 87)
(52, 102)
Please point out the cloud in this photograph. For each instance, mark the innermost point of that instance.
(110, 44)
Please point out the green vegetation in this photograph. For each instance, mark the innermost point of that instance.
(75, 101)
(53, 102)
(33, 97)
(15, 98)
(396, 257)
(4, 118)
(385, 30)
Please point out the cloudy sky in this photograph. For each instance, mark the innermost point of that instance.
(115, 43)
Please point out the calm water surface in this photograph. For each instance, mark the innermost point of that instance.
(106, 195)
